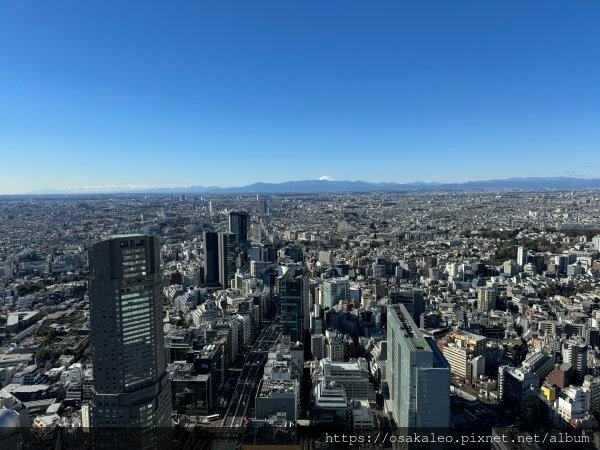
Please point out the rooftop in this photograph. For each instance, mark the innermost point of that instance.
(410, 328)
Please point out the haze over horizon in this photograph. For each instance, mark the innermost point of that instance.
(229, 94)
(326, 184)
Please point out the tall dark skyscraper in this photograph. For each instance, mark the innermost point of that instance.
(294, 295)
(238, 225)
(211, 258)
(131, 387)
(227, 255)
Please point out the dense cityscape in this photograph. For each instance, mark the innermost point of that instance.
(300, 225)
(233, 321)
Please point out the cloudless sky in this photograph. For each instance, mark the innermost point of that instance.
(228, 93)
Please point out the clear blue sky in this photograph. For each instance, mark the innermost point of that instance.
(228, 93)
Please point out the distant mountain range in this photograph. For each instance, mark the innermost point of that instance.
(316, 186)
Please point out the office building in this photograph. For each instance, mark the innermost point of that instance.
(211, 258)
(592, 337)
(258, 268)
(540, 364)
(295, 253)
(561, 262)
(575, 353)
(130, 387)
(294, 299)
(510, 267)
(596, 242)
(330, 404)
(352, 376)
(551, 328)
(277, 395)
(317, 346)
(537, 262)
(279, 389)
(362, 417)
(326, 257)
(575, 269)
(486, 299)
(516, 389)
(378, 271)
(227, 255)
(522, 256)
(592, 387)
(418, 375)
(238, 225)
(191, 393)
(452, 269)
(571, 403)
(460, 349)
(211, 361)
(335, 348)
(335, 290)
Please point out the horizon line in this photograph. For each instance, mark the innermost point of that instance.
(151, 189)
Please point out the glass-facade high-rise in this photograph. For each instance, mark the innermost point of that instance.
(227, 255)
(418, 375)
(334, 291)
(131, 386)
(238, 225)
(211, 258)
(294, 297)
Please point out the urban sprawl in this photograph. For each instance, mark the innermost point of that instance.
(256, 319)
